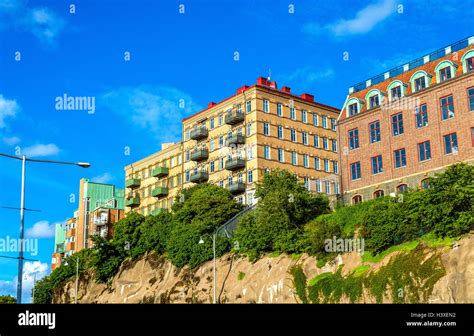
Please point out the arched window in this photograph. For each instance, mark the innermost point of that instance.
(468, 61)
(374, 98)
(378, 193)
(396, 89)
(356, 199)
(420, 80)
(353, 106)
(426, 183)
(402, 188)
(445, 70)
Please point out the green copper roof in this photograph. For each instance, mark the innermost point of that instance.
(103, 195)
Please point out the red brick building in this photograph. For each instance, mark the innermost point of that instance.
(401, 127)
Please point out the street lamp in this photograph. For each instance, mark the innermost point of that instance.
(23, 159)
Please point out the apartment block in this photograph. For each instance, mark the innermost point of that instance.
(401, 127)
(153, 182)
(59, 245)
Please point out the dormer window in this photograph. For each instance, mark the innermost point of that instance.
(470, 64)
(467, 61)
(420, 80)
(445, 70)
(396, 92)
(374, 98)
(420, 83)
(374, 101)
(353, 106)
(353, 109)
(445, 73)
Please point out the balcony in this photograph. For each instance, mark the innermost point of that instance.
(199, 133)
(199, 155)
(157, 211)
(159, 192)
(132, 183)
(199, 177)
(71, 246)
(132, 202)
(236, 188)
(71, 233)
(237, 139)
(59, 248)
(234, 118)
(102, 219)
(160, 172)
(235, 164)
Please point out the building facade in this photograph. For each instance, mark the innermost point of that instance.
(59, 245)
(399, 128)
(233, 143)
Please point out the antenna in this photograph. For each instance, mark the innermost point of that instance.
(269, 74)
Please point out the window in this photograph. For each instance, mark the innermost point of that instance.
(447, 107)
(397, 124)
(221, 141)
(266, 129)
(315, 119)
(187, 155)
(374, 101)
(280, 132)
(354, 138)
(326, 165)
(353, 109)
(304, 117)
(211, 166)
(378, 193)
(317, 163)
(450, 143)
(318, 185)
(294, 158)
(445, 73)
(316, 141)
(292, 113)
(187, 135)
(421, 116)
(306, 182)
(424, 151)
(420, 83)
(325, 143)
(249, 129)
(249, 152)
(470, 64)
(266, 109)
(266, 152)
(293, 135)
(402, 188)
(335, 167)
(187, 176)
(211, 123)
(355, 171)
(248, 106)
(250, 176)
(211, 145)
(400, 158)
(396, 92)
(304, 138)
(334, 146)
(327, 187)
(306, 160)
(324, 121)
(280, 110)
(374, 130)
(426, 183)
(377, 166)
(239, 108)
(230, 180)
(333, 124)
(470, 95)
(281, 155)
(221, 184)
(356, 199)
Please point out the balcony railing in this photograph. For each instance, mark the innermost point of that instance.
(199, 155)
(235, 164)
(236, 188)
(132, 201)
(160, 172)
(237, 139)
(199, 133)
(199, 177)
(159, 192)
(102, 220)
(234, 118)
(132, 183)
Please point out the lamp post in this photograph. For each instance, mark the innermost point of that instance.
(23, 159)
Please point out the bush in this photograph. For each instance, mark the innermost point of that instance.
(318, 231)
(8, 299)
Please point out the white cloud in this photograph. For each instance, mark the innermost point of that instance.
(103, 178)
(8, 108)
(41, 150)
(11, 141)
(363, 22)
(31, 271)
(154, 109)
(41, 229)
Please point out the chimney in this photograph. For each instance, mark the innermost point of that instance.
(262, 81)
(242, 88)
(211, 104)
(308, 97)
(286, 89)
(272, 84)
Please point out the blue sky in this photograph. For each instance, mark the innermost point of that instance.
(47, 51)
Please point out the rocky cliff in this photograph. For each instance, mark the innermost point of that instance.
(153, 279)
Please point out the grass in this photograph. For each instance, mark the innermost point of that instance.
(432, 241)
(405, 247)
(241, 276)
(360, 270)
(318, 277)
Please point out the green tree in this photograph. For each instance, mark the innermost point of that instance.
(7, 299)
